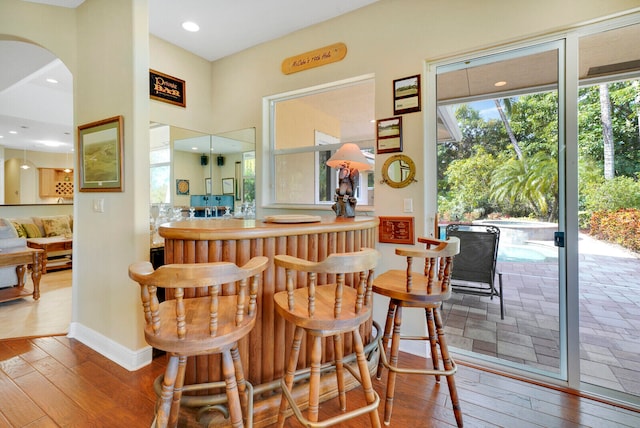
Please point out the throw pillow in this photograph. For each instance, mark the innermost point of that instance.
(56, 226)
(21, 232)
(32, 230)
(7, 230)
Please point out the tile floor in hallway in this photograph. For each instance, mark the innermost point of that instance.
(529, 334)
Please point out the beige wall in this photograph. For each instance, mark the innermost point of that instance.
(391, 39)
(105, 44)
(196, 72)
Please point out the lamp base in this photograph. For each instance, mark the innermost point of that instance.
(345, 206)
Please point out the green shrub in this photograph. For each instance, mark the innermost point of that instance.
(611, 195)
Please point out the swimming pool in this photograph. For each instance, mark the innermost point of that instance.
(526, 253)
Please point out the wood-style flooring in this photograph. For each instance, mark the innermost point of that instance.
(48, 316)
(59, 382)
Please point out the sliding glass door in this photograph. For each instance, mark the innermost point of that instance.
(543, 142)
(499, 163)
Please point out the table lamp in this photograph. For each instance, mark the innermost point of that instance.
(349, 160)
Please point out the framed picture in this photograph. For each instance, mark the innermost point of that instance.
(389, 135)
(100, 155)
(182, 187)
(396, 230)
(207, 186)
(227, 186)
(406, 95)
(168, 89)
(238, 171)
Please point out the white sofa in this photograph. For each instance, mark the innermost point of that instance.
(9, 242)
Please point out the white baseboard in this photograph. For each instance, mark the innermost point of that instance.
(127, 358)
(415, 347)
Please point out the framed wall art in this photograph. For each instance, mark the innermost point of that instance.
(100, 155)
(207, 186)
(396, 230)
(389, 135)
(182, 186)
(227, 186)
(168, 89)
(406, 95)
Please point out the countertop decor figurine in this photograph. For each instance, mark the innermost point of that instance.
(350, 160)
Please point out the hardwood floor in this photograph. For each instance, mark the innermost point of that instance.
(48, 316)
(59, 382)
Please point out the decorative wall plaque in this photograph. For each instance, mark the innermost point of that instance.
(314, 58)
(396, 230)
(168, 89)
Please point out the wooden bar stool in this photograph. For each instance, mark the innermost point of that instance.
(328, 311)
(425, 290)
(210, 324)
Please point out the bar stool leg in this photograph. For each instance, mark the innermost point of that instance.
(287, 381)
(338, 355)
(233, 399)
(393, 362)
(177, 392)
(386, 336)
(448, 365)
(433, 341)
(242, 384)
(314, 378)
(166, 395)
(365, 377)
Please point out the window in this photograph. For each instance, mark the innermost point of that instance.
(249, 176)
(307, 128)
(160, 165)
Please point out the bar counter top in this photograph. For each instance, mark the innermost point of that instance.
(210, 229)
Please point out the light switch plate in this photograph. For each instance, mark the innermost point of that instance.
(408, 205)
(98, 205)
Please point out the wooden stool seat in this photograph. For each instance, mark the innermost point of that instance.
(207, 324)
(328, 311)
(427, 290)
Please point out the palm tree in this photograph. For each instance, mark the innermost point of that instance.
(505, 121)
(607, 131)
(533, 182)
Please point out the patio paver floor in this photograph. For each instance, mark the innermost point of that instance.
(529, 334)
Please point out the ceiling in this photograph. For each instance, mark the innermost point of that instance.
(42, 114)
(226, 27)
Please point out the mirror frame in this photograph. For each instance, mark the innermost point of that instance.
(399, 184)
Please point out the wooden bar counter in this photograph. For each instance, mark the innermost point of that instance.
(236, 240)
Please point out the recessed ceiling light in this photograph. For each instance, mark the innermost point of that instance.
(190, 26)
(51, 80)
(13, 132)
(500, 83)
(194, 148)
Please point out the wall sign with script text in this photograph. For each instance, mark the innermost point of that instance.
(314, 58)
(168, 89)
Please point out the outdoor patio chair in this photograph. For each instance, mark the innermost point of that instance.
(474, 269)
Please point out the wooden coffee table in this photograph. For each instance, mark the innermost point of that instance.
(28, 257)
(52, 244)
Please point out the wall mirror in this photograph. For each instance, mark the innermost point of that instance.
(398, 171)
(187, 163)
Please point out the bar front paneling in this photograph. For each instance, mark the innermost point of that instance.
(265, 351)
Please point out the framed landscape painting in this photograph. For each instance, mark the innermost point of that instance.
(100, 154)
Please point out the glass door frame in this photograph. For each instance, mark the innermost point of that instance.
(567, 89)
